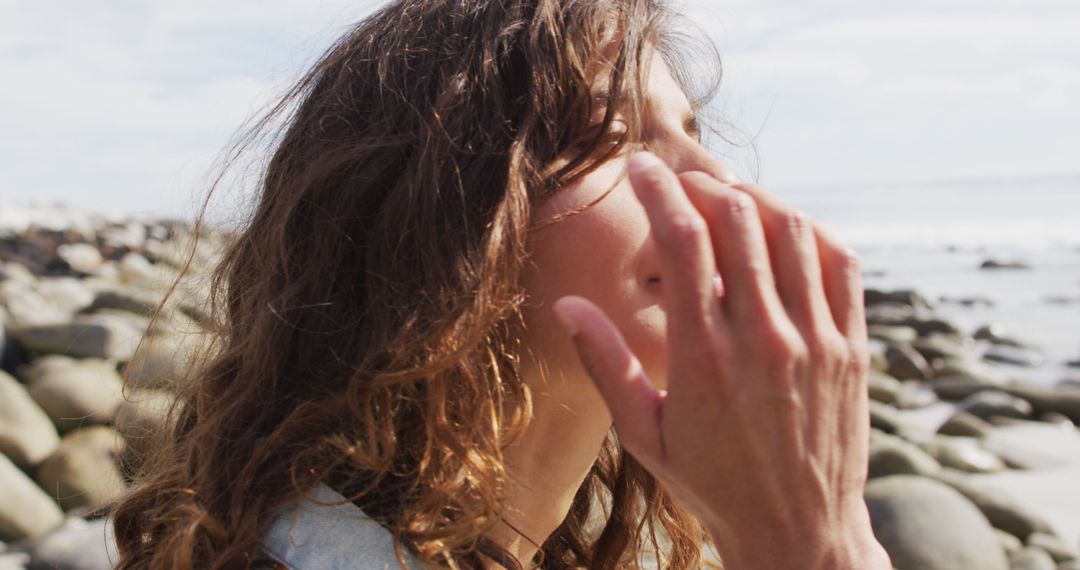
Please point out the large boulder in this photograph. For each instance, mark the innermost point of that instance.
(84, 471)
(75, 392)
(27, 435)
(926, 525)
(25, 510)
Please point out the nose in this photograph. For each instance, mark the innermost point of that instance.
(689, 155)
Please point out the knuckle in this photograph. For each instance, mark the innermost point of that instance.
(698, 179)
(683, 230)
(781, 344)
(828, 346)
(655, 177)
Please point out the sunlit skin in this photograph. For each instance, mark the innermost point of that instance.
(765, 379)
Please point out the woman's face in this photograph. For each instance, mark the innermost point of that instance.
(605, 253)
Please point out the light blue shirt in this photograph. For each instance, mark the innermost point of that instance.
(324, 532)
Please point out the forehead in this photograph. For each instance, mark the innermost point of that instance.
(662, 91)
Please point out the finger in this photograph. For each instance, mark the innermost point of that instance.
(843, 285)
(686, 256)
(742, 254)
(630, 396)
(795, 260)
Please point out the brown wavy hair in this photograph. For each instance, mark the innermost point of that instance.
(363, 317)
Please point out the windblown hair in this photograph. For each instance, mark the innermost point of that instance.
(363, 317)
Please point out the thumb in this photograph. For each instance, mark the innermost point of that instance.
(634, 403)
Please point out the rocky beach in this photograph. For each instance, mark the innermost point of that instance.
(974, 450)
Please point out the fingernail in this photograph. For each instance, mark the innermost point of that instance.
(642, 161)
(563, 313)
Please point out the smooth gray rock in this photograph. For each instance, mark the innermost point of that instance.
(140, 420)
(905, 363)
(926, 525)
(884, 388)
(1064, 400)
(964, 454)
(1010, 543)
(1034, 445)
(999, 507)
(1053, 545)
(66, 293)
(884, 417)
(964, 424)
(908, 297)
(75, 392)
(25, 510)
(84, 471)
(892, 334)
(1014, 355)
(77, 545)
(943, 346)
(891, 455)
(996, 333)
(914, 394)
(1004, 264)
(989, 403)
(1031, 558)
(86, 336)
(82, 257)
(27, 435)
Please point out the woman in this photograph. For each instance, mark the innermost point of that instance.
(389, 350)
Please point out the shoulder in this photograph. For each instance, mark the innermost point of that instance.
(323, 530)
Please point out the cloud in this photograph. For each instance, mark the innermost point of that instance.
(124, 103)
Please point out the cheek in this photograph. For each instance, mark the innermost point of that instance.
(598, 254)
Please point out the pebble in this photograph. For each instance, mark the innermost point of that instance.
(77, 545)
(75, 392)
(1053, 545)
(81, 257)
(964, 424)
(1034, 445)
(914, 395)
(926, 525)
(1031, 558)
(884, 417)
(996, 333)
(27, 435)
(942, 346)
(139, 418)
(25, 510)
(86, 336)
(1010, 543)
(1004, 264)
(987, 403)
(1003, 512)
(892, 334)
(905, 363)
(84, 472)
(963, 453)
(1016, 356)
(66, 293)
(883, 388)
(890, 455)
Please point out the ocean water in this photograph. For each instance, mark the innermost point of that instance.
(933, 237)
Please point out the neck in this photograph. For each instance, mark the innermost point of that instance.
(548, 465)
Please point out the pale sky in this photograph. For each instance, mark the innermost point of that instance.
(122, 104)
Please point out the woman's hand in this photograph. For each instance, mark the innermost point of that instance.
(762, 432)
